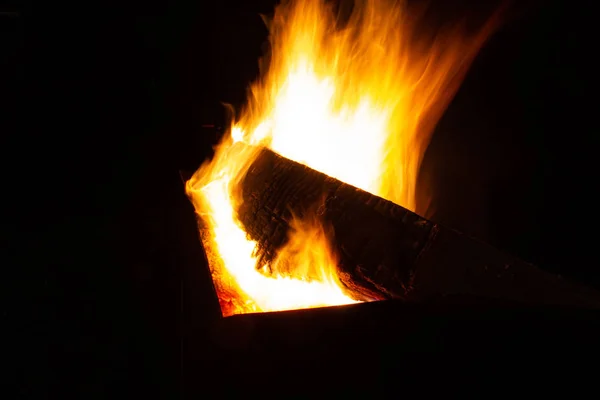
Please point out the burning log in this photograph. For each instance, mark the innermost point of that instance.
(386, 251)
(370, 234)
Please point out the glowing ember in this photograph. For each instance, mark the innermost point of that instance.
(357, 103)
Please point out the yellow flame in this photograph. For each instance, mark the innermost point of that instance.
(358, 103)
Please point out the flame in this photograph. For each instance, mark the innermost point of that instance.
(357, 102)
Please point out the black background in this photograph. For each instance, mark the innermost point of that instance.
(102, 104)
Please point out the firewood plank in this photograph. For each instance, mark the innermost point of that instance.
(386, 251)
(377, 241)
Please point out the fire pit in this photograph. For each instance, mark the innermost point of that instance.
(310, 198)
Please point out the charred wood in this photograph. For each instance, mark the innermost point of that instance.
(386, 251)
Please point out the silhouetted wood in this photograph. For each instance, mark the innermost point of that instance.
(385, 250)
(377, 241)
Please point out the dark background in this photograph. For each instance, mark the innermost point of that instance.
(103, 102)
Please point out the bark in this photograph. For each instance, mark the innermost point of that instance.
(386, 251)
(377, 241)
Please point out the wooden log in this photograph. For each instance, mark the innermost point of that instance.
(386, 251)
(377, 241)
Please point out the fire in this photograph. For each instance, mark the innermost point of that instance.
(357, 102)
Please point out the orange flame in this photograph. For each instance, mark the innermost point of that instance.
(357, 103)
